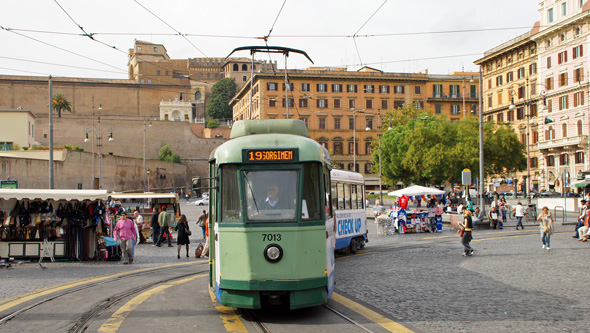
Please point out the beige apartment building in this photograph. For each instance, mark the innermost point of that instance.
(343, 109)
(17, 129)
(512, 95)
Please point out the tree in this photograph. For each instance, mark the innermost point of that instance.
(432, 150)
(167, 155)
(60, 103)
(221, 94)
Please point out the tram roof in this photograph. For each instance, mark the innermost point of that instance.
(268, 126)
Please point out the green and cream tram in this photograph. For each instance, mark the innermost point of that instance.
(271, 223)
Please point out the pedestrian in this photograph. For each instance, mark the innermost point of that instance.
(467, 227)
(503, 208)
(201, 222)
(155, 225)
(183, 233)
(124, 232)
(164, 222)
(139, 224)
(205, 253)
(546, 227)
(432, 216)
(581, 217)
(477, 215)
(519, 214)
(585, 227)
(135, 241)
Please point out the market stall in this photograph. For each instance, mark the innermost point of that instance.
(405, 220)
(52, 223)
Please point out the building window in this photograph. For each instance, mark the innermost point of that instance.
(578, 98)
(141, 81)
(550, 161)
(369, 88)
(399, 89)
(563, 102)
(533, 162)
(577, 51)
(305, 87)
(369, 103)
(535, 136)
(564, 130)
(580, 157)
(384, 104)
(523, 138)
(272, 86)
(550, 133)
(578, 75)
(500, 117)
(438, 108)
(490, 102)
(336, 88)
(509, 77)
(533, 68)
(351, 88)
(384, 89)
(337, 123)
(303, 103)
(579, 125)
(368, 148)
(351, 103)
(438, 90)
(182, 96)
(369, 123)
(510, 115)
(455, 109)
(322, 123)
(564, 9)
(533, 110)
(550, 15)
(561, 57)
(499, 98)
(338, 148)
(563, 159)
(149, 81)
(208, 75)
(398, 104)
(498, 80)
(290, 87)
(291, 102)
(418, 90)
(306, 121)
(351, 122)
(272, 102)
(550, 105)
(549, 83)
(520, 113)
(244, 68)
(216, 76)
(336, 103)
(322, 103)
(521, 73)
(322, 87)
(155, 49)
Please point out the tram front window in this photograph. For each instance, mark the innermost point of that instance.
(271, 195)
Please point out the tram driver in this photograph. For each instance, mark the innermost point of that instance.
(272, 197)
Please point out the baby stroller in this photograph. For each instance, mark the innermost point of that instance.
(109, 250)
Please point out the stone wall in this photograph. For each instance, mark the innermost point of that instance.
(75, 170)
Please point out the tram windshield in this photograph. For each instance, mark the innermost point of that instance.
(270, 194)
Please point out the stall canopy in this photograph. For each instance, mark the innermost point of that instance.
(415, 190)
(582, 183)
(148, 195)
(43, 194)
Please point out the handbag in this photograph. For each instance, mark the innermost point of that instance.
(188, 231)
(545, 229)
(461, 232)
(199, 250)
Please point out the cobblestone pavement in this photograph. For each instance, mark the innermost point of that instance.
(421, 280)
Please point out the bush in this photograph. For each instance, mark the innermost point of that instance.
(213, 123)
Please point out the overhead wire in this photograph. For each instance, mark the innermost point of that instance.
(354, 35)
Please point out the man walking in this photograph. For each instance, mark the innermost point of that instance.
(164, 222)
(126, 234)
(155, 225)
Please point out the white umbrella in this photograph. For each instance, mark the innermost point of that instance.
(415, 190)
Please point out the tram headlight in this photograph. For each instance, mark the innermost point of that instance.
(273, 253)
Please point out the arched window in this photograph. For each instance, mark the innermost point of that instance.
(549, 133)
(245, 67)
(198, 95)
(580, 127)
(236, 67)
(369, 148)
(564, 130)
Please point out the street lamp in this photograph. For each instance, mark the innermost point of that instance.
(354, 112)
(148, 179)
(98, 134)
(144, 170)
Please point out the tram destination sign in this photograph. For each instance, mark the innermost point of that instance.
(270, 155)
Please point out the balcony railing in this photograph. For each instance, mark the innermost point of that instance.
(453, 96)
(580, 140)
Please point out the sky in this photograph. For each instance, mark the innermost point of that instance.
(43, 37)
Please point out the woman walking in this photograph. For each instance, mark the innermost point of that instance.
(503, 209)
(546, 227)
(183, 233)
(467, 226)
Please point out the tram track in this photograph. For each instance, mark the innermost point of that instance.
(110, 301)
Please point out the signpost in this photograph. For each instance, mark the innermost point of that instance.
(466, 181)
(9, 184)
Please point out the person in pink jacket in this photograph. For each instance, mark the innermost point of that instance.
(126, 234)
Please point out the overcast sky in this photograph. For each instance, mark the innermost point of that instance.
(404, 36)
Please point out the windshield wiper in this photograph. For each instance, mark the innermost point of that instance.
(251, 192)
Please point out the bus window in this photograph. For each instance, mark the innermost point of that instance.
(231, 199)
(334, 197)
(310, 206)
(347, 195)
(341, 197)
(270, 194)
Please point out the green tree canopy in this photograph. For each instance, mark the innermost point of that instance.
(60, 103)
(432, 150)
(221, 94)
(167, 155)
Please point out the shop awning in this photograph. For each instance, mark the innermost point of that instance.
(148, 195)
(43, 194)
(582, 183)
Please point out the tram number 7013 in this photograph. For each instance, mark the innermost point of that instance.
(271, 237)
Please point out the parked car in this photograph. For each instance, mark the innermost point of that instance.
(507, 195)
(202, 202)
(548, 195)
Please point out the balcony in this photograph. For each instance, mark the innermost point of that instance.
(452, 97)
(580, 140)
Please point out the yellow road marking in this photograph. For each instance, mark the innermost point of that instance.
(14, 301)
(388, 324)
(113, 324)
(230, 319)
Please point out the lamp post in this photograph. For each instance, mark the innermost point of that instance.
(354, 112)
(98, 134)
(144, 169)
(148, 179)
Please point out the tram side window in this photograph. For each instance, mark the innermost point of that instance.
(341, 196)
(310, 206)
(353, 196)
(329, 189)
(361, 202)
(270, 194)
(230, 199)
(347, 196)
